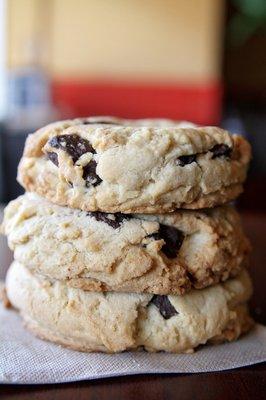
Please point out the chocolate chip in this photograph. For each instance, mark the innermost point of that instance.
(172, 237)
(53, 157)
(100, 122)
(113, 220)
(166, 309)
(184, 160)
(73, 144)
(220, 150)
(76, 146)
(89, 174)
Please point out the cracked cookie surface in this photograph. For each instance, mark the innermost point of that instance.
(114, 322)
(160, 254)
(142, 166)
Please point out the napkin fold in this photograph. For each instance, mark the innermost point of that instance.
(25, 359)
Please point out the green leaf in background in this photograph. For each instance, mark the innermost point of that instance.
(255, 8)
(249, 18)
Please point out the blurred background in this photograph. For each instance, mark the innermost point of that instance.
(197, 60)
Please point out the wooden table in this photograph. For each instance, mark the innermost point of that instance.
(243, 383)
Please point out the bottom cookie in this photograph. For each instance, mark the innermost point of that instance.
(114, 322)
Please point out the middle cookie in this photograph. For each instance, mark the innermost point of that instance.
(160, 254)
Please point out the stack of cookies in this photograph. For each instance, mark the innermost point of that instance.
(123, 239)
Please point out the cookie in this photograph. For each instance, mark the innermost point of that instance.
(114, 322)
(121, 166)
(161, 254)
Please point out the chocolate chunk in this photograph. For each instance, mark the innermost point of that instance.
(166, 309)
(184, 160)
(113, 220)
(53, 157)
(172, 237)
(100, 122)
(220, 150)
(89, 174)
(73, 144)
(173, 240)
(76, 146)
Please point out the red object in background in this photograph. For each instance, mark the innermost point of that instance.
(198, 103)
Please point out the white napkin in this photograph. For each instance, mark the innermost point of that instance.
(26, 359)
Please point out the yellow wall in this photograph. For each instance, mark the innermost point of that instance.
(28, 32)
(166, 40)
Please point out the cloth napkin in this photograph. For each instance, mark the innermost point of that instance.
(25, 359)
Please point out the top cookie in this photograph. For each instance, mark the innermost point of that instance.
(142, 166)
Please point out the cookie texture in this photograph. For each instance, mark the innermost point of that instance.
(143, 166)
(160, 254)
(114, 322)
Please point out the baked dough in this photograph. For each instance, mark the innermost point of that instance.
(114, 322)
(142, 166)
(160, 254)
